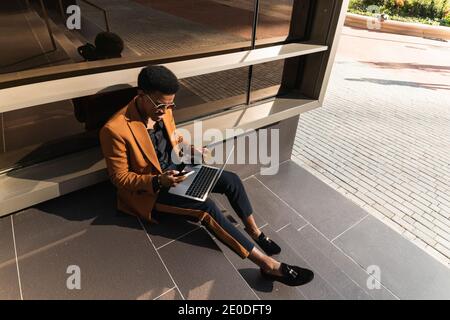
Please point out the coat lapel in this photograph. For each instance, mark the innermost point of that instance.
(169, 124)
(141, 135)
(175, 140)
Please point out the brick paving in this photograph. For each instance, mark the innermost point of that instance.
(382, 137)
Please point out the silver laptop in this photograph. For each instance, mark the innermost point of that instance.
(200, 181)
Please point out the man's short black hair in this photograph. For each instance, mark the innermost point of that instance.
(108, 45)
(158, 78)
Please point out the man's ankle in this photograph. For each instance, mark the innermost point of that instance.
(274, 267)
(253, 233)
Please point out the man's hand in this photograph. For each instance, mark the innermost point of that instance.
(168, 179)
(189, 154)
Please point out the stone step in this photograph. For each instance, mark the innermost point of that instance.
(82, 233)
(198, 266)
(328, 210)
(324, 266)
(333, 264)
(201, 270)
(9, 282)
(267, 290)
(337, 276)
(119, 256)
(267, 202)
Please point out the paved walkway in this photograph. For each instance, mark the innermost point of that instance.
(383, 135)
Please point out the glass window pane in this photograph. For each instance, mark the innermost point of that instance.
(41, 133)
(266, 80)
(274, 19)
(148, 28)
(151, 27)
(211, 93)
(44, 132)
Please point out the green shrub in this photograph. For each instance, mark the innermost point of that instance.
(445, 21)
(427, 11)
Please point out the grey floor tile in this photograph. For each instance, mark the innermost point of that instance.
(319, 289)
(406, 270)
(265, 290)
(173, 294)
(323, 265)
(270, 207)
(9, 281)
(342, 261)
(316, 289)
(326, 209)
(201, 271)
(168, 228)
(345, 263)
(113, 252)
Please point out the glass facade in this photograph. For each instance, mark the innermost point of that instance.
(210, 93)
(152, 31)
(154, 27)
(41, 133)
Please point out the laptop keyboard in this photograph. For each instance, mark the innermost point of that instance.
(201, 182)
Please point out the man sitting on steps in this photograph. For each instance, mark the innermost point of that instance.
(137, 143)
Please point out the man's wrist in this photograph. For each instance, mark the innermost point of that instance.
(156, 182)
(158, 177)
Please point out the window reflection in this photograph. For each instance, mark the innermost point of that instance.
(41, 133)
(154, 27)
(139, 28)
(210, 93)
(148, 28)
(266, 80)
(274, 19)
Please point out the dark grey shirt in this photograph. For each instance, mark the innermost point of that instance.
(162, 145)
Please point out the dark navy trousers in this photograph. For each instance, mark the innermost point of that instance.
(210, 215)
